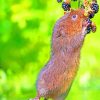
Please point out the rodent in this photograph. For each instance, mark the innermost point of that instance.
(55, 79)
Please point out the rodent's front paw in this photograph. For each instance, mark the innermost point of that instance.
(90, 26)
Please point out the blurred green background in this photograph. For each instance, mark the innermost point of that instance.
(25, 39)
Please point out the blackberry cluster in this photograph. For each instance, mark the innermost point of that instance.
(66, 6)
(95, 8)
(90, 26)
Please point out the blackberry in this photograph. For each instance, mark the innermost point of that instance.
(66, 6)
(91, 14)
(59, 1)
(89, 29)
(89, 21)
(95, 7)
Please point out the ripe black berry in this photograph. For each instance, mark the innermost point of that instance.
(59, 1)
(88, 21)
(91, 14)
(66, 6)
(88, 29)
(95, 7)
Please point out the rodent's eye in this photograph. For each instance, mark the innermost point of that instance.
(74, 17)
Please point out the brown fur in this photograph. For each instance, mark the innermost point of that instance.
(56, 77)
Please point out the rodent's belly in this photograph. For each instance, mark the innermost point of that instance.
(54, 82)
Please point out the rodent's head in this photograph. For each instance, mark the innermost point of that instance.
(75, 22)
(70, 30)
